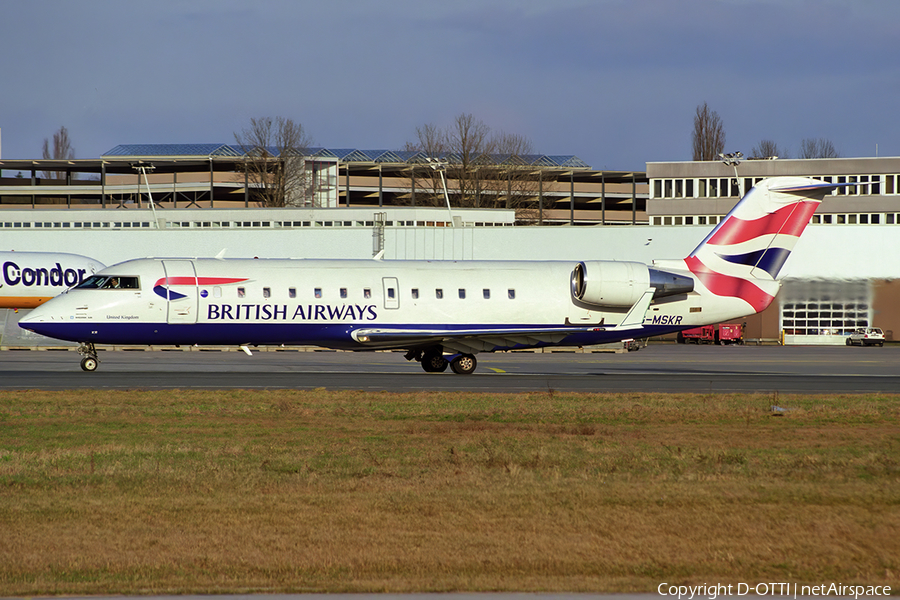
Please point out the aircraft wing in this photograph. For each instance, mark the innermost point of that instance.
(467, 341)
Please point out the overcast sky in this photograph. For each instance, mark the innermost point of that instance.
(614, 82)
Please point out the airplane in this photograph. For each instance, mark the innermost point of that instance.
(28, 279)
(442, 313)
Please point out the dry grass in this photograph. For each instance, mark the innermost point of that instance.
(212, 492)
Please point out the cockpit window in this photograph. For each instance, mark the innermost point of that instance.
(109, 282)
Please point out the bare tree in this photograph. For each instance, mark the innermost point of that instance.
(708, 137)
(274, 152)
(470, 146)
(484, 169)
(60, 150)
(514, 181)
(817, 148)
(768, 149)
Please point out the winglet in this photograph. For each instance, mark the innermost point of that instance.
(635, 316)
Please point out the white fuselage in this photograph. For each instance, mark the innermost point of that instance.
(323, 302)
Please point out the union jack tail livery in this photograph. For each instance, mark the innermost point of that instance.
(744, 255)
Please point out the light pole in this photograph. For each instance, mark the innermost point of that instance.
(440, 166)
(733, 159)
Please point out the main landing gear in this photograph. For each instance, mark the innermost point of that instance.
(433, 361)
(89, 360)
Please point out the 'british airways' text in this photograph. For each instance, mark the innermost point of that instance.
(283, 312)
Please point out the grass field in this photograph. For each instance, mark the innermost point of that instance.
(287, 491)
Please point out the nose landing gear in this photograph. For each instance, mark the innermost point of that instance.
(89, 360)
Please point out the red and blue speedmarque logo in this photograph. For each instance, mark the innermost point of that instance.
(161, 287)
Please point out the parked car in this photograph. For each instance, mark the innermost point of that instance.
(866, 336)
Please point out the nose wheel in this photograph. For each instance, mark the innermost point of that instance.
(89, 360)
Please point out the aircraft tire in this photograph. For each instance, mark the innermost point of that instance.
(88, 364)
(434, 362)
(464, 364)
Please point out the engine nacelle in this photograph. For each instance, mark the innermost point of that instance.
(621, 284)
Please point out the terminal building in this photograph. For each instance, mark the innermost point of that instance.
(842, 275)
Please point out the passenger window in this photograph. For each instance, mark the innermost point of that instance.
(292, 292)
(318, 292)
(343, 292)
(438, 293)
(487, 293)
(415, 293)
(462, 294)
(241, 292)
(367, 293)
(267, 292)
(512, 294)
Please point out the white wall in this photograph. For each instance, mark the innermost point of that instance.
(824, 251)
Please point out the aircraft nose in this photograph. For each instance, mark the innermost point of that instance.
(35, 315)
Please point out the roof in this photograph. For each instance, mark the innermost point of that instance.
(569, 161)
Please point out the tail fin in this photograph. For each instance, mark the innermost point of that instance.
(743, 256)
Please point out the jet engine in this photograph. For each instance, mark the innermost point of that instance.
(621, 284)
